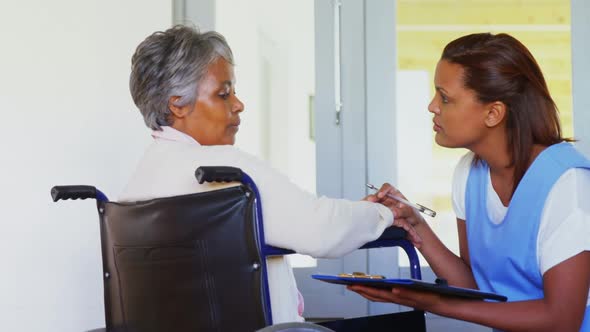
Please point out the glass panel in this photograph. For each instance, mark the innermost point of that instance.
(423, 29)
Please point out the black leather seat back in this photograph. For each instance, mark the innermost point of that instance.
(185, 263)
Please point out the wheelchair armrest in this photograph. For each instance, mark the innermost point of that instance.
(276, 251)
(396, 236)
(390, 237)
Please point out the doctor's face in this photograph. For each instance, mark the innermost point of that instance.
(458, 116)
(215, 117)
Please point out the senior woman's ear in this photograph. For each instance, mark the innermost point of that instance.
(178, 111)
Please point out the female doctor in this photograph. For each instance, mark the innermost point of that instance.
(521, 195)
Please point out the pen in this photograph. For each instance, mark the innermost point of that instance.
(416, 206)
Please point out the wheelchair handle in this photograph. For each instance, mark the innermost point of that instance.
(218, 174)
(73, 192)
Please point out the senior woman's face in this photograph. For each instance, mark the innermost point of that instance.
(215, 116)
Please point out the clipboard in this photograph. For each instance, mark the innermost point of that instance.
(440, 286)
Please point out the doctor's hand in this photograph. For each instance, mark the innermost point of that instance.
(426, 301)
(403, 215)
(403, 212)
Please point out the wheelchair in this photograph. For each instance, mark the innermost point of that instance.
(197, 262)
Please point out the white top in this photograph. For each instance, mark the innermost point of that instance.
(293, 218)
(564, 230)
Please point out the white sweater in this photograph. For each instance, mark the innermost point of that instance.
(293, 219)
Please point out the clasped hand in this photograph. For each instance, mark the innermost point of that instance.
(407, 218)
(404, 216)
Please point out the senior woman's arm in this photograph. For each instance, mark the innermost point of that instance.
(320, 227)
(326, 227)
(293, 218)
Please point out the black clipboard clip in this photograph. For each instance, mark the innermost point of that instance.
(441, 282)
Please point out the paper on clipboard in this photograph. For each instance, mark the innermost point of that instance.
(440, 288)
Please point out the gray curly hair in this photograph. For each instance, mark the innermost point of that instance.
(172, 63)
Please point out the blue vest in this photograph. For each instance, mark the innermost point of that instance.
(504, 257)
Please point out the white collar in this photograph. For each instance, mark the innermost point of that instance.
(171, 134)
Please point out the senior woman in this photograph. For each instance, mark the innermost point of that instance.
(183, 83)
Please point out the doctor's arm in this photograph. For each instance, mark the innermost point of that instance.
(562, 308)
(445, 264)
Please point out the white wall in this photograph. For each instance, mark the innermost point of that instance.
(67, 118)
(278, 34)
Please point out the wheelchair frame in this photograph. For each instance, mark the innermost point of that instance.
(231, 174)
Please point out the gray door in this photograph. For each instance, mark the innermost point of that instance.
(342, 151)
(364, 147)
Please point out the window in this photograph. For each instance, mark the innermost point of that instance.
(423, 29)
